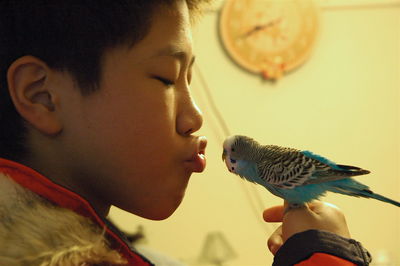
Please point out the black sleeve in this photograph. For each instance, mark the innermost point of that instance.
(303, 245)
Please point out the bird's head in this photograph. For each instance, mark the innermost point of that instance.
(228, 151)
(237, 148)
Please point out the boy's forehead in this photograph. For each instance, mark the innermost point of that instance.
(169, 35)
(175, 51)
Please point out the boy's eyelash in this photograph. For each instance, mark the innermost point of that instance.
(166, 82)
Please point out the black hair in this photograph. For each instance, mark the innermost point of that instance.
(68, 35)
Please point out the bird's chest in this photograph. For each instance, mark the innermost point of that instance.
(300, 194)
(247, 170)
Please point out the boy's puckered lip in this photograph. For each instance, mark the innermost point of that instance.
(197, 162)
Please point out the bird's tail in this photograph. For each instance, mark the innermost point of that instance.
(352, 170)
(384, 199)
(351, 187)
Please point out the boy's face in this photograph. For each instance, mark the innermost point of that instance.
(130, 144)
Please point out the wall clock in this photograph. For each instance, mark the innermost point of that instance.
(269, 37)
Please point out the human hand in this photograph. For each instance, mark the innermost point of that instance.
(316, 215)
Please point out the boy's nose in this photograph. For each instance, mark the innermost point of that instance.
(190, 117)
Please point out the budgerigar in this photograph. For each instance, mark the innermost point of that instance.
(296, 176)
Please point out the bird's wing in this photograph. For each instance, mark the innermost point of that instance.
(289, 170)
(326, 170)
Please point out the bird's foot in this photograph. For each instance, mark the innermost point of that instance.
(294, 206)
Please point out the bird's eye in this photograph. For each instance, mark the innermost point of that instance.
(233, 161)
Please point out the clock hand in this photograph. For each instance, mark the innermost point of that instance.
(261, 27)
(253, 30)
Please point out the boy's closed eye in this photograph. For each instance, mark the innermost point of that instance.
(165, 81)
(168, 71)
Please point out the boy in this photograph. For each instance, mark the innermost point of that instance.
(95, 111)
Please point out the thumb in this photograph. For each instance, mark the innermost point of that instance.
(274, 214)
(275, 241)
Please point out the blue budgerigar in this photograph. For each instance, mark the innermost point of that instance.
(296, 176)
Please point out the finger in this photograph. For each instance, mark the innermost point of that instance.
(320, 207)
(285, 204)
(286, 207)
(273, 214)
(275, 240)
(316, 206)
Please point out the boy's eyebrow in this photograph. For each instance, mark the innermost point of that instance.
(176, 53)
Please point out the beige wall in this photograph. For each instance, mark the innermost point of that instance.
(343, 103)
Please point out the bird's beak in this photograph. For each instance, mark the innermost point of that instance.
(223, 155)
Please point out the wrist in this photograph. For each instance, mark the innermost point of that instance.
(302, 245)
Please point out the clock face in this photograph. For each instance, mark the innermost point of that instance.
(269, 36)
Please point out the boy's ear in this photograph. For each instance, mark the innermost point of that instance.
(32, 95)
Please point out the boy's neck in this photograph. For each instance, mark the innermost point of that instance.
(51, 171)
(50, 163)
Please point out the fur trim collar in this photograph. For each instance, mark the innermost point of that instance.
(36, 232)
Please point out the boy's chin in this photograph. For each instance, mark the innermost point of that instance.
(158, 213)
(158, 216)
